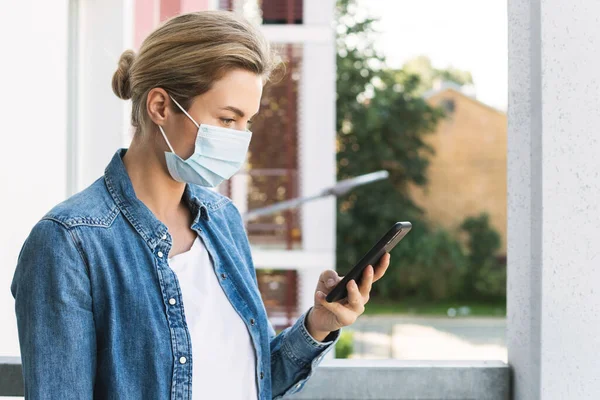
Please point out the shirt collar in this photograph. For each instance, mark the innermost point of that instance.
(143, 220)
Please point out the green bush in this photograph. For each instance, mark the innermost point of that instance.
(490, 281)
(433, 265)
(486, 276)
(440, 258)
(345, 346)
(426, 265)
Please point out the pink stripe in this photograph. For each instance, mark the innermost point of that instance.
(145, 13)
(194, 5)
(143, 20)
(169, 8)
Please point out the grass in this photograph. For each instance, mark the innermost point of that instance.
(478, 309)
(345, 346)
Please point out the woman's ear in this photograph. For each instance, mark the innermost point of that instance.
(157, 105)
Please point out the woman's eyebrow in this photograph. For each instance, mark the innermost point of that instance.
(236, 110)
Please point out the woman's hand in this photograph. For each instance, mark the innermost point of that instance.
(327, 317)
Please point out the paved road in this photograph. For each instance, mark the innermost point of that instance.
(430, 338)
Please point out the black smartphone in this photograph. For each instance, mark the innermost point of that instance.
(385, 245)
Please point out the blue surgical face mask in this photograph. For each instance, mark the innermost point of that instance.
(219, 154)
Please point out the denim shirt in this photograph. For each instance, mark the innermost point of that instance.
(92, 289)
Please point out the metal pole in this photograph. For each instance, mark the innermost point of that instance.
(339, 189)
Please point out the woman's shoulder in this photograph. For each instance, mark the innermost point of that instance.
(54, 232)
(92, 206)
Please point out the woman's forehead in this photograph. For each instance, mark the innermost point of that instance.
(237, 89)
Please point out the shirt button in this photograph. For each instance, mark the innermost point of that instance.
(172, 301)
(262, 375)
(159, 254)
(182, 360)
(164, 237)
(298, 386)
(252, 322)
(223, 276)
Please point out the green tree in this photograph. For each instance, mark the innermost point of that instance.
(381, 121)
(428, 75)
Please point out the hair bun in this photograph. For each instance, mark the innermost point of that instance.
(121, 84)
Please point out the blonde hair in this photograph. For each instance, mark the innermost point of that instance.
(186, 55)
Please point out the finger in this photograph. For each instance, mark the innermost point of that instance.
(366, 283)
(327, 274)
(355, 299)
(344, 315)
(328, 279)
(382, 266)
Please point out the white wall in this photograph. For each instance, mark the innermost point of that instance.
(105, 30)
(34, 124)
(317, 145)
(62, 123)
(553, 199)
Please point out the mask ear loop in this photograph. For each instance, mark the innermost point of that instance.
(185, 112)
(166, 140)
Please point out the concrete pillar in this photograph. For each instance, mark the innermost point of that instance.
(553, 199)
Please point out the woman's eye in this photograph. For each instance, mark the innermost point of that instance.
(227, 121)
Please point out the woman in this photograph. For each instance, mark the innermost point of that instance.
(142, 286)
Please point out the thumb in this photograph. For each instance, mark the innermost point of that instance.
(328, 280)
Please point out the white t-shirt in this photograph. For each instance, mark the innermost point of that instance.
(224, 363)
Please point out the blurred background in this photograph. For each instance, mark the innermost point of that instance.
(418, 89)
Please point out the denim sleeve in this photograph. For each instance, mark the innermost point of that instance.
(295, 355)
(53, 303)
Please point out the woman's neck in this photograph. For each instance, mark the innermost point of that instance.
(146, 167)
